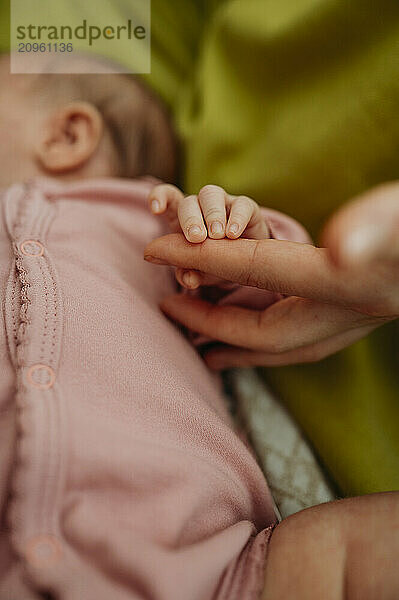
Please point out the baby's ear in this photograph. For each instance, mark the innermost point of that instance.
(71, 136)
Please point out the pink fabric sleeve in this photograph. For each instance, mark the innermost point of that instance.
(283, 227)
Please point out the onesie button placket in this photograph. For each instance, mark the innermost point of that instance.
(31, 248)
(43, 551)
(40, 376)
(35, 333)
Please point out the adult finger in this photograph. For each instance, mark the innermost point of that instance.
(191, 221)
(288, 268)
(212, 200)
(226, 357)
(286, 325)
(366, 228)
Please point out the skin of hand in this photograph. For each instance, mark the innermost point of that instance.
(335, 295)
(212, 214)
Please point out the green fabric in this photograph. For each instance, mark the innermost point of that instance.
(296, 104)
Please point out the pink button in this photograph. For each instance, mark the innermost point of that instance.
(32, 248)
(41, 376)
(43, 551)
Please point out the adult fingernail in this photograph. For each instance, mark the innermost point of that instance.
(154, 260)
(216, 227)
(155, 206)
(233, 228)
(194, 232)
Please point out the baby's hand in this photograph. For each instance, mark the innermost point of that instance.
(213, 213)
(206, 215)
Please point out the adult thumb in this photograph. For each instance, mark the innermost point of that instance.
(366, 229)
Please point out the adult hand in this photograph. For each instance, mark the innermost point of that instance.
(336, 295)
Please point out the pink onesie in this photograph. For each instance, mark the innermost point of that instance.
(121, 477)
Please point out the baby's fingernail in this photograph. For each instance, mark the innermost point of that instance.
(155, 206)
(216, 227)
(190, 280)
(155, 260)
(194, 232)
(233, 229)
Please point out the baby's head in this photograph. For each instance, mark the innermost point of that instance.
(77, 126)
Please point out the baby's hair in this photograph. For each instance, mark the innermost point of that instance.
(135, 119)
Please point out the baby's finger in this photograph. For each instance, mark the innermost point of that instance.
(188, 279)
(245, 214)
(212, 200)
(192, 280)
(191, 221)
(164, 196)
